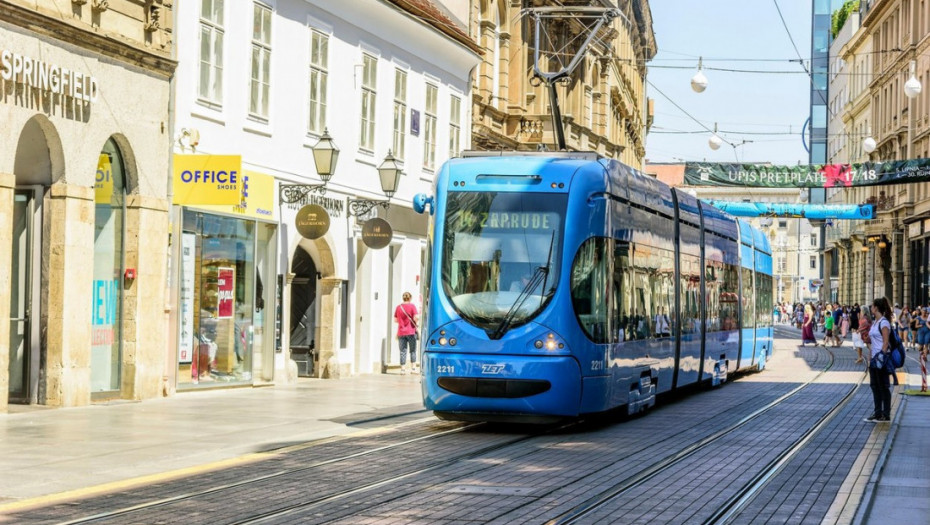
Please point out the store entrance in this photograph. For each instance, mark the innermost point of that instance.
(303, 312)
(21, 294)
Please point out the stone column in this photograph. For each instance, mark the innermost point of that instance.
(68, 253)
(329, 366)
(145, 318)
(7, 183)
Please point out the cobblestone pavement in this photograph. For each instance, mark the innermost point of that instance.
(440, 472)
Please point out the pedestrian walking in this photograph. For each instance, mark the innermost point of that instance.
(807, 327)
(861, 336)
(880, 336)
(844, 324)
(828, 328)
(406, 316)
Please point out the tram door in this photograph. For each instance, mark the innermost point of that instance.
(24, 337)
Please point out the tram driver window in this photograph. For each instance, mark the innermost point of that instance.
(589, 280)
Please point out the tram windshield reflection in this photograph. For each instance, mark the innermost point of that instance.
(493, 245)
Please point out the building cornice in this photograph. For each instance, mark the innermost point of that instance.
(110, 45)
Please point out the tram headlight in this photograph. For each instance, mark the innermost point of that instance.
(452, 341)
(550, 345)
(539, 345)
(442, 341)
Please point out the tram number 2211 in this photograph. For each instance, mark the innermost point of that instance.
(445, 369)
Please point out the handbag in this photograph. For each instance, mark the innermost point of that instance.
(416, 329)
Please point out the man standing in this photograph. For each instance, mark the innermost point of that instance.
(406, 316)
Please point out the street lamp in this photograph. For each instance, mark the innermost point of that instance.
(325, 155)
(869, 145)
(699, 81)
(715, 141)
(912, 89)
(389, 172)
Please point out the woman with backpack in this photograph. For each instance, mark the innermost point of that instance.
(880, 336)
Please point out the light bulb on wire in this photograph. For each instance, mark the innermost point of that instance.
(699, 81)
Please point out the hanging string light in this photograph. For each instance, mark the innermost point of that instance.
(715, 141)
(699, 81)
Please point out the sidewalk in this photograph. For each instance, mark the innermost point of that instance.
(47, 451)
(899, 490)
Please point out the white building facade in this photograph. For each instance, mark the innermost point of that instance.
(264, 80)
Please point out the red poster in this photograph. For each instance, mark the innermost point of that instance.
(225, 281)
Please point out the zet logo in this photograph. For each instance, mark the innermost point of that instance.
(492, 369)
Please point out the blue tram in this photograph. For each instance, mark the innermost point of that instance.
(562, 284)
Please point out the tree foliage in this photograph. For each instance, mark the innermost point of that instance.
(840, 15)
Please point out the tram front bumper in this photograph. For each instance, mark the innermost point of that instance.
(501, 384)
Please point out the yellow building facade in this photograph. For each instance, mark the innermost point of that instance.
(603, 103)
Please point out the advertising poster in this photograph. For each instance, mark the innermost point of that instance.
(225, 286)
(103, 183)
(104, 312)
(186, 346)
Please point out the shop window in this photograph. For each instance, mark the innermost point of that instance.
(106, 307)
(218, 269)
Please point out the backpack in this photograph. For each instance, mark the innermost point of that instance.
(896, 350)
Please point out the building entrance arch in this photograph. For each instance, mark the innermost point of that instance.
(313, 309)
(38, 162)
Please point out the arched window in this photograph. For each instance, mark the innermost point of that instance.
(106, 313)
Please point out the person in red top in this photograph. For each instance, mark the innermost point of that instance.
(406, 316)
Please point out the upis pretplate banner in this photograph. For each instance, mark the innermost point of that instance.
(807, 175)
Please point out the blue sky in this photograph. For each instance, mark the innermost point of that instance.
(752, 32)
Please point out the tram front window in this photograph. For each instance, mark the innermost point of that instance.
(499, 262)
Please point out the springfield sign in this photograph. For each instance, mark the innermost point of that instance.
(807, 175)
(21, 69)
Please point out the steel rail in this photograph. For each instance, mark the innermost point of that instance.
(636, 480)
(735, 504)
(195, 494)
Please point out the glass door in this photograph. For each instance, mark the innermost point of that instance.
(20, 296)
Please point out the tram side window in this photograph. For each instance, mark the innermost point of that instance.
(652, 314)
(763, 300)
(729, 298)
(749, 303)
(621, 298)
(590, 277)
(690, 294)
(713, 286)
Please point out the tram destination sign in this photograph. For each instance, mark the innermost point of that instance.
(807, 175)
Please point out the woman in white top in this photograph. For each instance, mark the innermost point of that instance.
(880, 334)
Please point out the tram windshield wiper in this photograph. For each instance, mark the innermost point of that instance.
(540, 276)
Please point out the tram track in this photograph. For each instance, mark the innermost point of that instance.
(745, 494)
(286, 510)
(268, 477)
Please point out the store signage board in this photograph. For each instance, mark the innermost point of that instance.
(312, 222)
(256, 198)
(225, 297)
(207, 179)
(377, 233)
(50, 78)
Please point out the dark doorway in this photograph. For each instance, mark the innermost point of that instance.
(303, 311)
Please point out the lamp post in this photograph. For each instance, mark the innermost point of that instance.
(325, 155)
(389, 172)
(912, 89)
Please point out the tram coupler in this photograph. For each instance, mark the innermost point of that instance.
(720, 372)
(642, 395)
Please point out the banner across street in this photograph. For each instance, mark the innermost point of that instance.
(807, 175)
